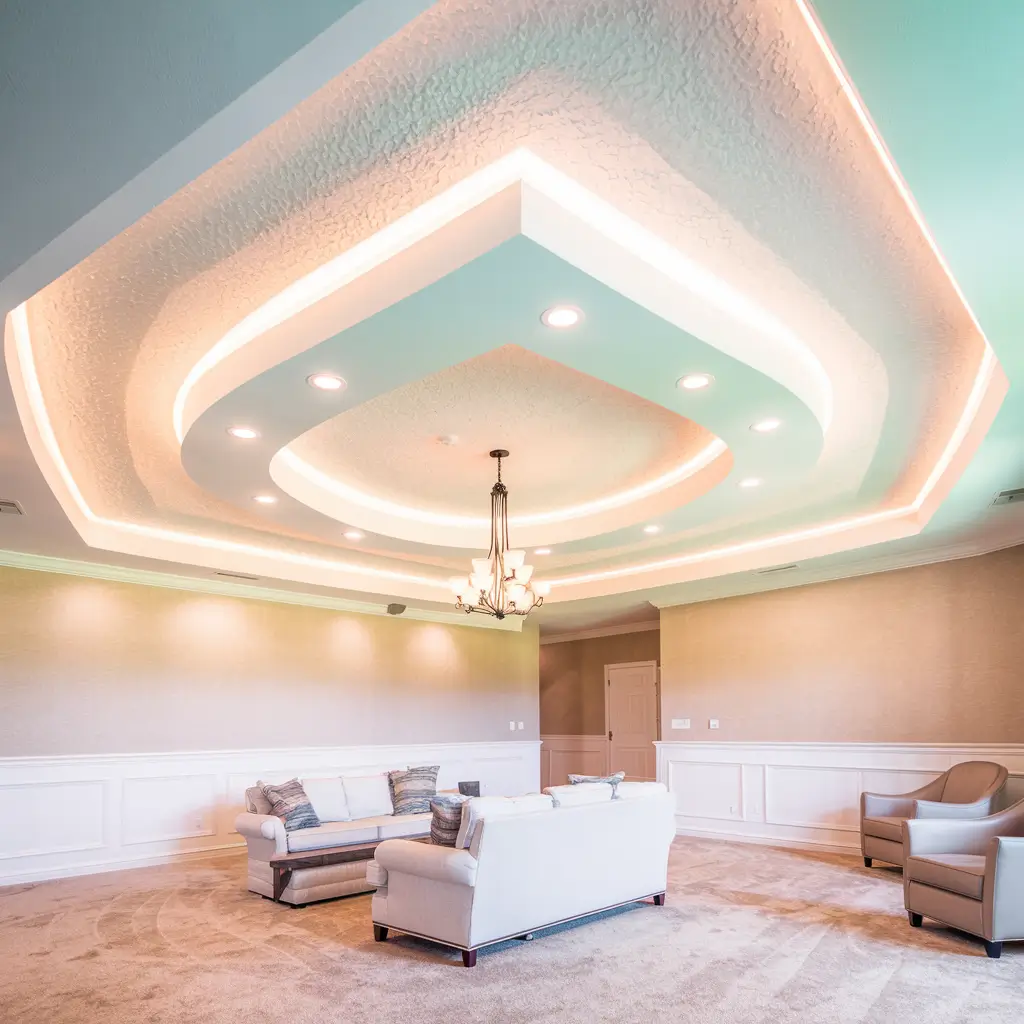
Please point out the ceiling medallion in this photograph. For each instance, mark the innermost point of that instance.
(501, 583)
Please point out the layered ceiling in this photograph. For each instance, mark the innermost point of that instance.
(701, 183)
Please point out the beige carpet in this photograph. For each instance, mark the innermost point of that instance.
(749, 934)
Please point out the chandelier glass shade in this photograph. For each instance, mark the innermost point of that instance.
(502, 583)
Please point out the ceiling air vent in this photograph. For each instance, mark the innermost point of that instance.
(1009, 497)
(772, 570)
(10, 508)
(237, 576)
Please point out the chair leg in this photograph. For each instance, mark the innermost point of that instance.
(915, 919)
(469, 958)
(994, 950)
(659, 899)
(380, 933)
(867, 862)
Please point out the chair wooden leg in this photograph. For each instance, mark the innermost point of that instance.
(659, 899)
(469, 958)
(380, 933)
(915, 919)
(994, 950)
(867, 862)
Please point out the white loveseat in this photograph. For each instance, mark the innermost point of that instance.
(526, 871)
(266, 838)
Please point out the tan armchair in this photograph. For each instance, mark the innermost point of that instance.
(967, 790)
(968, 874)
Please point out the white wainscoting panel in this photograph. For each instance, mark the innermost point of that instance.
(561, 756)
(79, 814)
(805, 794)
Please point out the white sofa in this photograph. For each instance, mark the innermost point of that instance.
(526, 871)
(266, 837)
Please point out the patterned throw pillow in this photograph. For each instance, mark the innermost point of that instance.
(289, 802)
(447, 819)
(414, 788)
(612, 780)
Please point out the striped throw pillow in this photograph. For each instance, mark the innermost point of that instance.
(612, 780)
(414, 788)
(289, 802)
(447, 819)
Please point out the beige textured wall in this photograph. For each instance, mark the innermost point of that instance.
(572, 679)
(933, 654)
(95, 667)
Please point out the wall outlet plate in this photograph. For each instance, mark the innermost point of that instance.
(680, 723)
(712, 723)
(511, 726)
(521, 726)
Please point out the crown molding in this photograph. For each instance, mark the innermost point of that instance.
(882, 563)
(593, 634)
(225, 588)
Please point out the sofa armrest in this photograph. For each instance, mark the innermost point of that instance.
(937, 809)
(878, 805)
(263, 826)
(441, 863)
(1004, 887)
(924, 836)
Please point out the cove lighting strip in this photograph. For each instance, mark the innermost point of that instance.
(523, 166)
(700, 461)
(23, 346)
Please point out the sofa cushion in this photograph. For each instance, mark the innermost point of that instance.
(476, 808)
(333, 833)
(288, 801)
(446, 819)
(884, 828)
(961, 873)
(256, 801)
(328, 798)
(412, 789)
(404, 825)
(639, 790)
(368, 795)
(581, 793)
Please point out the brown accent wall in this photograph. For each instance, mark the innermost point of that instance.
(933, 654)
(90, 667)
(572, 679)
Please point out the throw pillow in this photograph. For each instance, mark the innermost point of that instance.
(477, 808)
(413, 788)
(289, 802)
(328, 798)
(256, 801)
(612, 780)
(446, 820)
(368, 796)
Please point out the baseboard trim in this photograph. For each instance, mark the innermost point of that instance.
(809, 845)
(102, 867)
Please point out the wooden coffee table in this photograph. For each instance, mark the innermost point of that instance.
(284, 865)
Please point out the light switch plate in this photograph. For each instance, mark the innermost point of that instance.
(680, 723)
(520, 725)
(511, 726)
(712, 723)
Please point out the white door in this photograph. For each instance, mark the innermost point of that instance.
(632, 713)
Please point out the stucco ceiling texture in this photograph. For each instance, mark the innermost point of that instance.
(725, 133)
(575, 438)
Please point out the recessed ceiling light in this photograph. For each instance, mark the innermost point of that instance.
(561, 316)
(353, 535)
(265, 499)
(652, 529)
(448, 439)
(694, 381)
(750, 481)
(326, 382)
(766, 426)
(243, 433)
(542, 551)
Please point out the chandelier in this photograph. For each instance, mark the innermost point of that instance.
(501, 584)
